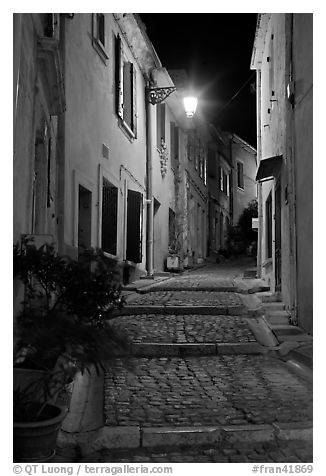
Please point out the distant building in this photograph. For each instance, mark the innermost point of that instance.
(282, 56)
(231, 184)
(244, 187)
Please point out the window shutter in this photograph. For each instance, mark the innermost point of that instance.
(221, 179)
(172, 143)
(134, 99)
(176, 144)
(134, 226)
(119, 76)
(101, 28)
(127, 94)
(109, 217)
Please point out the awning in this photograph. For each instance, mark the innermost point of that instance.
(269, 168)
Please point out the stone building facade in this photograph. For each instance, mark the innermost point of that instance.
(282, 58)
(95, 163)
(231, 184)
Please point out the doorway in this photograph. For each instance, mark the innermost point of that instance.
(84, 220)
(278, 254)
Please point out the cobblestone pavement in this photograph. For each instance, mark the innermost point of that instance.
(196, 282)
(184, 329)
(199, 391)
(273, 452)
(187, 298)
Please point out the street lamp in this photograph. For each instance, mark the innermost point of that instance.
(157, 95)
(190, 104)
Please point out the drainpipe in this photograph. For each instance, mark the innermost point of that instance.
(292, 191)
(231, 185)
(149, 189)
(60, 208)
(259, 155)
(17, 33)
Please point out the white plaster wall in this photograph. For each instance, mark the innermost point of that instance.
(303, 143)
(91, 121)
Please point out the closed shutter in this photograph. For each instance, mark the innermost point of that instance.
(134, 100)
(109, 217)
(172, 143)
(160, 124)
(134, 226)
(119, 76)
(240, 175)
(127, 93)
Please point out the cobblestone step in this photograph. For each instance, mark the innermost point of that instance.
(199, 391)
(262, 452)
(250, 443)
(182, 309)
(269, 297)
(149, 349)
(275, 318)
(184, 329)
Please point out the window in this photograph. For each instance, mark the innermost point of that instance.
(51, 26)
(211, 163)
(269, 224)
(43, 178)
(205, 170)
(174, 146)
(172, 231)
(197, 152)
(99, 35)
(160, 124)
(109, 217)
(240, 175)
(201, 161)
(228, 177)
(225, 182)
(191, 148)
(134, 226)
(270, 60)
(221, 179)
(100, 28)
(125, 79)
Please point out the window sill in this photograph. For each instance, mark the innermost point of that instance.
(109, 255)
(267, 262)
(126, 130)
(99, 48)
(130, 263)
(241, 189)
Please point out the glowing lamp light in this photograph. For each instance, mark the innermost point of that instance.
(190, 104)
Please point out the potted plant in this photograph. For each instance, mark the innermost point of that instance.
(62, 328)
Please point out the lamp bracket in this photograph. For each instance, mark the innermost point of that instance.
(157, 95)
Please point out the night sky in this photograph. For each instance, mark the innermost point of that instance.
(215, 50)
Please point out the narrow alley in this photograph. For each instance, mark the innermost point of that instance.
(207, 381)
(162, 238)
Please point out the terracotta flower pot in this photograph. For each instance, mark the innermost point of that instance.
(35, 441)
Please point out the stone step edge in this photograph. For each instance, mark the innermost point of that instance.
(175, 349)
(181, 310)
(106, 437)
(226, 289)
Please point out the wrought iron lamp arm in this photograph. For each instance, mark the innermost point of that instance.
(157, 95)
